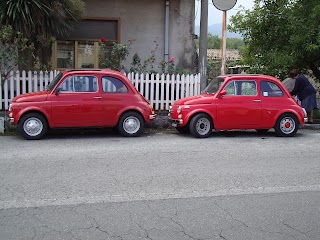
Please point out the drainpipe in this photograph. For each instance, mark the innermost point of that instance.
(166, 36)
(203, 45)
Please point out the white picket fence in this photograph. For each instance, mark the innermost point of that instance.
(159, 89)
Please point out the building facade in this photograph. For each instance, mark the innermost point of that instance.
(159, 27)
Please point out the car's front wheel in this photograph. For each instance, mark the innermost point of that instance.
(201, 126)
(287, 125)
(131, 124)
(33, 126)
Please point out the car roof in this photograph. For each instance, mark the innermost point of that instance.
(242, 76)
(92, 70)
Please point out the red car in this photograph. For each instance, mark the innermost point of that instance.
(82, 98)
(241, 101)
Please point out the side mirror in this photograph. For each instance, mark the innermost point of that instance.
(222, 93)
(57, 91)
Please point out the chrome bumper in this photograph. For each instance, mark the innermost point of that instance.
(175, 123)
(152, 116)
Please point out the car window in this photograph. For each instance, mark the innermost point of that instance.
(54, 82)
(79, 84)
(214, 85)
(113, 85)
(270, 89)
(241, 88)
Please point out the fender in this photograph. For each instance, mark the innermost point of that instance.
(131, 108)
(34, 109)
(293, 111)
(193, 112)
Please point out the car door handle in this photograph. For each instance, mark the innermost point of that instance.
(97, 97)
(257, 100)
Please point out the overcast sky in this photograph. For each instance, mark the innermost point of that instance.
(215, 15)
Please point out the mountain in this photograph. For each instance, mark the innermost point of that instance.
(216, 29)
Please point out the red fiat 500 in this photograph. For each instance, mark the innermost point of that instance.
(82, 98)
(258, 102)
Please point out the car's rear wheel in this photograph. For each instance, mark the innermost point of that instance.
(287, 125)
(131, 124)
(201, 126)
(33, 126)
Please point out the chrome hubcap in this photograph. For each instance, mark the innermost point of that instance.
(203, 126)
(287, 125)
(131, 125)
(33, 126)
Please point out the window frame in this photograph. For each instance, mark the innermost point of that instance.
(239, 84)
(96, 45)
(79, 76)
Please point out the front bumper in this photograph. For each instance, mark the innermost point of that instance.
(152, 116)
(175, 122)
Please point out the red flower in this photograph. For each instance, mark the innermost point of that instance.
(103, 40)
(172, 59)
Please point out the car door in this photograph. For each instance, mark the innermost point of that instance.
(241, 106)
(273, 101)
(116, 97)
(78, 102)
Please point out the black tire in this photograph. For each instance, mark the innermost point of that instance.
(201, 126)
(287, 125)
(33, 126)
(261, 131)
(130, 124)
(184, 130)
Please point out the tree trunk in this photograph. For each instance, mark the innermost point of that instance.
(315, 71)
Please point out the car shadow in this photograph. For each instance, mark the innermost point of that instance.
(96, 133)
(80, 133)
(247, 133)
(240, 133)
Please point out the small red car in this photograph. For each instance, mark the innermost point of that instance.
(82, 99)
(242, 101)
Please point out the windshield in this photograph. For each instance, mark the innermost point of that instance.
(54, 82)
(213, 86)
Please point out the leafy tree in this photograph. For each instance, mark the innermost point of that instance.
(40, 20)
(112, 54)
(234, 43)
(11, 44)
(280, 35)
(214, 42)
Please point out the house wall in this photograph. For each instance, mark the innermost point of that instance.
(143, 22)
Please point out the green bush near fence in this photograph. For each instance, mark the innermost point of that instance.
(316, 114)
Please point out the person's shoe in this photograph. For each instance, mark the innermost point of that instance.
(309, 122)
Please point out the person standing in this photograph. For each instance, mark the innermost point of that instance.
(305, 92)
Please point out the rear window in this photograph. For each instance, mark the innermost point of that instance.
(270, 89)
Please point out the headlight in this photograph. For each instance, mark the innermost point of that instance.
(10, 107)
(179, 110)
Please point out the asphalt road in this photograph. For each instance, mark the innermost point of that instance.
(88, 185)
